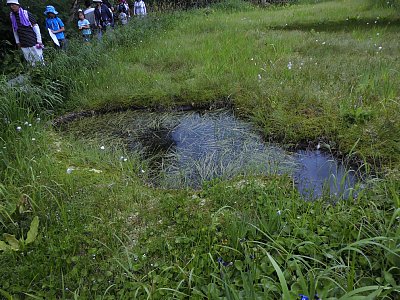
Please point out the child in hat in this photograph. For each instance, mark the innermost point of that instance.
(26, 32)
(55, 26)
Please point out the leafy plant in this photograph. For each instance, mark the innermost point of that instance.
(11, 243)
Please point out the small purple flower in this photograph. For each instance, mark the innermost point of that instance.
(224, 263)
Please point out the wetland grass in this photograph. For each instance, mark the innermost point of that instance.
(107, 235)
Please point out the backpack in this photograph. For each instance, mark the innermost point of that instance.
(121, 8)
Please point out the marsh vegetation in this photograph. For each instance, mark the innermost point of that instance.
(79, 219)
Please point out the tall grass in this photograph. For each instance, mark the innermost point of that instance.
(342, 80)
(105, 234)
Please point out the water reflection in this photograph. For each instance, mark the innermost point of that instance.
(188, 148)
(319, 172)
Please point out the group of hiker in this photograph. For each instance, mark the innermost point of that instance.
(98, 19)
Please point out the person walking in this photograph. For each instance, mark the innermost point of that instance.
(26, 33)
(89, 14)
(123, 12)
(139, 8)
(103, 16)
(55, 26)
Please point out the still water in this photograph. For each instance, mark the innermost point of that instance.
(188, 148)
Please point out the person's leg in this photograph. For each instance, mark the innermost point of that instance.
(99, 33)
(86, 38)
(38, 55)
(64, 44)
(26, 53)
(33, 55)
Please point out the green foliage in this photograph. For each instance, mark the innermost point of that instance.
(233, 6)
(11, 243)
(106, 234)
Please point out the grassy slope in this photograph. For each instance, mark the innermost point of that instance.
(342, 86)
(106, 235)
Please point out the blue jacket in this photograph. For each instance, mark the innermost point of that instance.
(55, 24)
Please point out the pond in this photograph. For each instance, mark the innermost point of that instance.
(188, 148)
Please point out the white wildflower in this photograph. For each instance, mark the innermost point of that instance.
(102, 147)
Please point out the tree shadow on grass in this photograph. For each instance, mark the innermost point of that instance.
(346, 25)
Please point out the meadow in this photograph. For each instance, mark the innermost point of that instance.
(77, 222)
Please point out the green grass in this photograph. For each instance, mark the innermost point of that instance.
(104, 233)
(342, 85)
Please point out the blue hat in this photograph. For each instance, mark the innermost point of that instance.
(50, 9)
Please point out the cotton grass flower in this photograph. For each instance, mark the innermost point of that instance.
(102, 147)
(19, 128)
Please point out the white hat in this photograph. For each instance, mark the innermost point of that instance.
(12, 2)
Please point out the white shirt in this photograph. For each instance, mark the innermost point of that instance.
(89, 15)
(140, 8)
